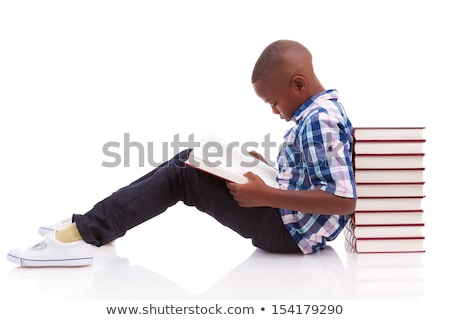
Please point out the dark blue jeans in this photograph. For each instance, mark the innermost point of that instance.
(169, 183)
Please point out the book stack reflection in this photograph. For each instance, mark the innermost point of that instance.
(387, 275)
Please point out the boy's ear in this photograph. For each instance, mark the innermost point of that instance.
(298, 82)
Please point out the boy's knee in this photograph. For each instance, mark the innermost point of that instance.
(180, 159)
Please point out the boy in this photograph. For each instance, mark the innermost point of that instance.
(317, 189)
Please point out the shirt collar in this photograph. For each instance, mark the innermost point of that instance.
(314, 100)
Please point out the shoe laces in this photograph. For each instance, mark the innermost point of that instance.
(42, 244)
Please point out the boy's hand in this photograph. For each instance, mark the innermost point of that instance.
(258, 156)
(250, 194)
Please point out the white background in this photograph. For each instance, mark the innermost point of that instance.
(75, 75)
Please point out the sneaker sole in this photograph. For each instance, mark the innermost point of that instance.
(76, 262)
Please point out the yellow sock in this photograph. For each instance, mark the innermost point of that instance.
(68, 234)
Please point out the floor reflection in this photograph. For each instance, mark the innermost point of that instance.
(387, 275)
(261, 276)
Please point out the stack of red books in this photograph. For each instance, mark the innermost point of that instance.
(389, 175)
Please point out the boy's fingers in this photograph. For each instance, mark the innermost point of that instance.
(231, 185)
(249, 175)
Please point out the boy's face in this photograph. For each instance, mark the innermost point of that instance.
(284, 97)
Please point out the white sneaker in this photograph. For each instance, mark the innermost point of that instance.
(55, 227)
(50, 252)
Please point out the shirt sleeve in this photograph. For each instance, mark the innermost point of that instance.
(327, 148)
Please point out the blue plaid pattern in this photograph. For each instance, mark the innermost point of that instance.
(317, 154)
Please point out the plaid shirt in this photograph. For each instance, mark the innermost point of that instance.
(316, 155)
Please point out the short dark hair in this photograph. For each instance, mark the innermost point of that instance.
(270, 59)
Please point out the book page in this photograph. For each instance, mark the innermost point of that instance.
(229, 161)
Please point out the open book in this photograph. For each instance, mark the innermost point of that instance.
(229, 161)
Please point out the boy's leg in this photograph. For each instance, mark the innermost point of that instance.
(171, 182)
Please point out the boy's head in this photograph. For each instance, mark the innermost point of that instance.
(284, 77)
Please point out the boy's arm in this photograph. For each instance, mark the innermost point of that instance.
(255, 193)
